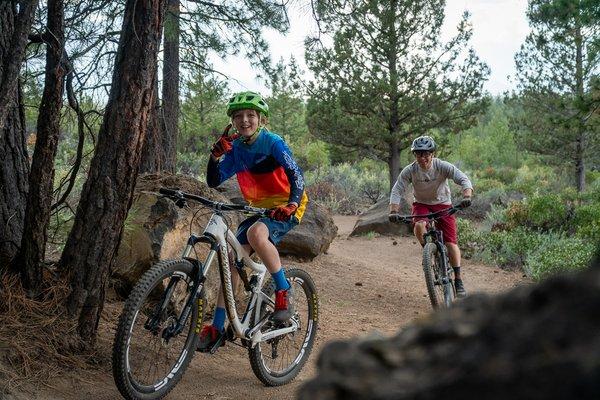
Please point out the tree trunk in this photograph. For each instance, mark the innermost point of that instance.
(14, 165)
(153, 156)
(170, 88)
(580, 163)
(394, 163)
(394, 120)
(107, 193)
(580, 93)
(14, 32)
(41, 179)
(160, 148)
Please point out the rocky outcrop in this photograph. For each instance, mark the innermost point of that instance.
(312, 236)
(156, 229)
(375, 219)
(536, 342)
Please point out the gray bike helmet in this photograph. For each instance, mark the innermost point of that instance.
(423, 143)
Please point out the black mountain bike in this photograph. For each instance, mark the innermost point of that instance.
(439, 275)
(158, 329)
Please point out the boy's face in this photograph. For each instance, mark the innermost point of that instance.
(246, 122)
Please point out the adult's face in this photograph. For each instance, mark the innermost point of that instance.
(424, 158)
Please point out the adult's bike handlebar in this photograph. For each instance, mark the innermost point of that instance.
(407, 219)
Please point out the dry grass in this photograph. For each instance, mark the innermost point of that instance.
(37, 341)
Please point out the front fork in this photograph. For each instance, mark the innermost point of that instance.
(442, 258)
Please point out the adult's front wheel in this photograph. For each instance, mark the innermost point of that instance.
(278, 361)
(150, 354)
(437, 289)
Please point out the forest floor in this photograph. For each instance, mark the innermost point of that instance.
(366, 285)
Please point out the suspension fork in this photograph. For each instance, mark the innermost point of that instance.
(199, 272)
(199, 278)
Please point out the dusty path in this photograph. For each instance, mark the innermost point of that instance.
(365, 284)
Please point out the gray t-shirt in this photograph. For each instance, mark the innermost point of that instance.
(429, 186)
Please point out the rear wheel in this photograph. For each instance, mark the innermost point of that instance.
(149, 358)
(278, 361)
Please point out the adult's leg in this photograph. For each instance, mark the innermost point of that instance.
(419, 231)
(454, 256)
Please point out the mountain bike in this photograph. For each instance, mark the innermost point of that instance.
(161, 319)
(439, 275)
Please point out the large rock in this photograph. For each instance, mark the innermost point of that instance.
(536, 342)
(158, 230)
(312, 236)
(375, 219)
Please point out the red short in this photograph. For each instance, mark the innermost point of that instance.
(447, 223)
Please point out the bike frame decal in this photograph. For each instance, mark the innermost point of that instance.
(218, 229)
(200, 314)
(173, 371)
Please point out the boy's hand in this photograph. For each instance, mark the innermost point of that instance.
(283, 213)
(223, 145)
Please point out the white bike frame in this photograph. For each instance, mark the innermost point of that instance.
(217, 230)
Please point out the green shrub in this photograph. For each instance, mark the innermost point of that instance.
(547, 212)
(510, 248)
(348, 188)
(516, 214)
(544, 213)
(503, 175)
(469, 238)
(532, 180)
(484, 185)
(559, 255)
(496, 218)
(587, 222)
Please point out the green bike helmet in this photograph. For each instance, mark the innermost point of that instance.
(247, 100)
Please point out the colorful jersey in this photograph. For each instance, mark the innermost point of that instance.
(266, 172)
(429, 186)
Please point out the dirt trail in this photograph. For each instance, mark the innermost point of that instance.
(365, 285)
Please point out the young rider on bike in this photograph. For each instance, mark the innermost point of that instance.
(269, 178)
(429, 178)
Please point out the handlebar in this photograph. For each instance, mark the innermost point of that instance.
(407, 219)
(179, 197)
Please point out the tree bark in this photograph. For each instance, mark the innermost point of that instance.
(153, 156)
(41, 179)
(580, 93)
(170, 88)
(14, 164)
(394, 163)
(394, 119)
(14, 37)
(160, 149)
(107, 193)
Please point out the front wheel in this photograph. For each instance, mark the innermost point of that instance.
(278, 361)
(149, 354)
(439, 284)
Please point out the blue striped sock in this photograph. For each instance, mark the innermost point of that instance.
(219, 319)
(280, 282)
